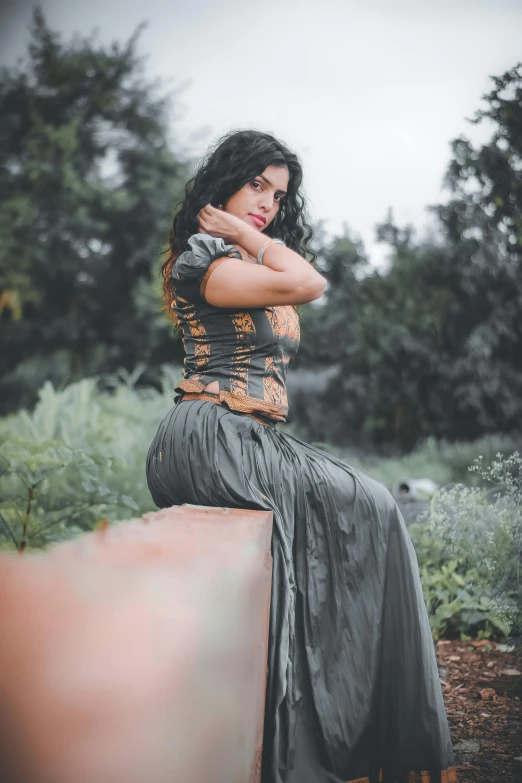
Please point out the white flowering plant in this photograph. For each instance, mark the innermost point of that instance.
(469, 548)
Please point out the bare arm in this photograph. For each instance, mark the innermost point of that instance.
(284, 278)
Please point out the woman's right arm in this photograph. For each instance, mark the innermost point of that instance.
(284, 278)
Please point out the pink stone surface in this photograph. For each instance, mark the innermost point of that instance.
(138, 654)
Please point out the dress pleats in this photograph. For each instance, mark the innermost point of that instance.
(353, 691)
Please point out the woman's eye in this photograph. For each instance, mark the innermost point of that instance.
(279, 197)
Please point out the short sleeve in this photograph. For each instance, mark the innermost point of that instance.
(191, 268)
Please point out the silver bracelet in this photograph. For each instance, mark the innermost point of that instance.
(267, 244)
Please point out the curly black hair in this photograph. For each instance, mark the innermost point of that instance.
(236, 158)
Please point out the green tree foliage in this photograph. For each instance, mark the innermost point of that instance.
(433, 346)
(483, 229)
(328, 335)
(384, 332)
(88, 185)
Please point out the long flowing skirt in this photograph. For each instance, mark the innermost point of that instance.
(353, 692)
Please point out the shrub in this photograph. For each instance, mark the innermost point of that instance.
(78, 458)
(469, 551)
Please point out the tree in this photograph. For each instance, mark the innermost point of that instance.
(327, 328)
(88, 185)
(434, 345)
(385, 390)
(482, 224)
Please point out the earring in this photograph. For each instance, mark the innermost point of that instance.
(220, 206)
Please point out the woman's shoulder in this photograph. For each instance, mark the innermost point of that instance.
(202, 250)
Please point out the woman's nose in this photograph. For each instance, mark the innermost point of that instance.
(267, 202)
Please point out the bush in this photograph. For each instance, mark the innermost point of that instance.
(469, 551)
(78, 459)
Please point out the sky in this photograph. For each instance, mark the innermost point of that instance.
(368, 94)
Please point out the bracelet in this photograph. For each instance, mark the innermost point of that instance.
(267, 244)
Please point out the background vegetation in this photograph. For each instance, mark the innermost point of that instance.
(418, 368)
(89, 181)
(76, 462)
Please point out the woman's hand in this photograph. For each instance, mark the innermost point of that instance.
(219, 223)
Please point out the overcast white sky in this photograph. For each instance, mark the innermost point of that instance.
(368, 93)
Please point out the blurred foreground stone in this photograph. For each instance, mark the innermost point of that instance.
(138, 654)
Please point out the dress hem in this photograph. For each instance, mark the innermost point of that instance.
(448, 775)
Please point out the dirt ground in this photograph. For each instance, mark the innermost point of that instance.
(482, 687)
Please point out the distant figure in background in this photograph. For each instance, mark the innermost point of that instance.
(353, 692)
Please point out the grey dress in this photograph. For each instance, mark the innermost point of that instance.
(353, 691)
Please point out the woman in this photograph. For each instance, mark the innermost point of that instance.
(353, 692)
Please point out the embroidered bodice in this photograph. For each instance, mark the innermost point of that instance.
(247, 351)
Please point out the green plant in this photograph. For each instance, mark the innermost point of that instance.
(469, 552)
(78, 457)
(50, 492)
(459, 602)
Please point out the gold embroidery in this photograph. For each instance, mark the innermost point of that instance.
(284, 321)
(191, 385)
(209, 398)
(209, 271)
(245, 331)
(176, 305)
(449, 775)
(199, 335)
(272, 390)
(245, 404)
(201, 341)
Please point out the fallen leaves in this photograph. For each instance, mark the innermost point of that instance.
(488, 694)
(474, 674)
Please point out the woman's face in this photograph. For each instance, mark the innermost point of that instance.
(262, 196)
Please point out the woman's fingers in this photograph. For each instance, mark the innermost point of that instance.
(207, 210)
(205, 218)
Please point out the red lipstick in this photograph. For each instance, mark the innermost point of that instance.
(260, 220)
